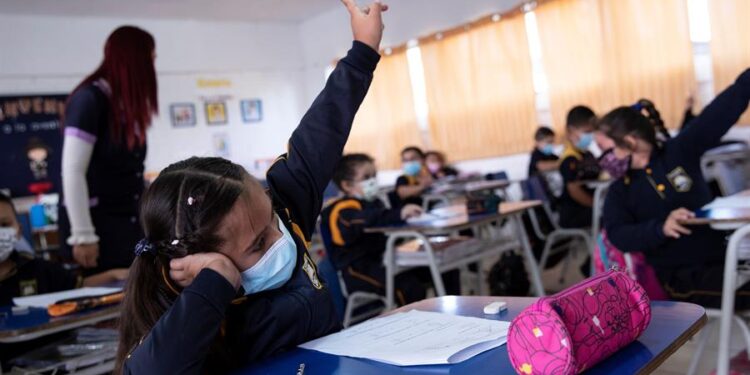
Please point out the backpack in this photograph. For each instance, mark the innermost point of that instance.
(632, 263)
(508, 276)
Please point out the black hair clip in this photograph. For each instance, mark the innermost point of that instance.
(143, 246)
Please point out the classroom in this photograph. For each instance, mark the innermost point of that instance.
(375, 187)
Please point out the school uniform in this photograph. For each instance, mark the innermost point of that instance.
(114, 179)
(405, 180)
(637, 205)
(359, 255)
(33, 276)
(576, 165)
(444, 172)
(209, 330)
(536, 157)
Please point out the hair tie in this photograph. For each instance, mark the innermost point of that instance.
(143, 246)
(190, 201)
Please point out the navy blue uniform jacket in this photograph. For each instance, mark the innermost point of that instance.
(252, 328)
(342, 227)
(638, 204)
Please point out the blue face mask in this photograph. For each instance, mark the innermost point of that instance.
(585, 141)
(412, 168)
(548, 149)
(275, 268)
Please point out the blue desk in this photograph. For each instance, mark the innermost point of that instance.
(672, 324)
(37, 323)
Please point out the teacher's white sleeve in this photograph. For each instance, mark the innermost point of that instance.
(76, 157)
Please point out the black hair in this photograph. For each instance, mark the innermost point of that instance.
(439, 155)
(414, 149)
(347, 167)
(176, 226)
(624, 121)
(543, 133)
(580, 116)
(653, 116)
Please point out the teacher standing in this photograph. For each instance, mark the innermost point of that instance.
(104, 148)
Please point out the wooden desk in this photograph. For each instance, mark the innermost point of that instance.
(672, 325)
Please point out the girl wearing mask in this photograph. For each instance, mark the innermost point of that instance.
(664, 185)
(223, 277)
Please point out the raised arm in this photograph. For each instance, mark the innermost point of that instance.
(705, 131)
(299, 177)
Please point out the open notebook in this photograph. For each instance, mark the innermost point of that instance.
(415, 338)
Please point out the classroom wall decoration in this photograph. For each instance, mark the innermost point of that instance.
(182, 114)
(216, 113)
(30, 143)
(252, 110)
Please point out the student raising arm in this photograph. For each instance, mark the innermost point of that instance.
(213, 233)
(664, 185)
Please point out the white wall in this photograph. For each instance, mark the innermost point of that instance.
(40, 54)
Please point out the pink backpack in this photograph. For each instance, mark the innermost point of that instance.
(634, 264)
(577, 328)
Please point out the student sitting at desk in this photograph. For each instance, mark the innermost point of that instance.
(578, 165)
(211, 228)
(436, 165)
(415, 180)
(543, 158)
(359, 255)
(663, 185)
(23, 275)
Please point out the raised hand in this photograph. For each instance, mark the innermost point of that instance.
(367, 22)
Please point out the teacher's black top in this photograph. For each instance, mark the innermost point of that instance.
(638, 204)
(114, 177)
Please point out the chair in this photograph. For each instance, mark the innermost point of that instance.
(726, 317)
(351, 307)
(533, 190)
(729, 167)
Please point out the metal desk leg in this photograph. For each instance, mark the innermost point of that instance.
(389, 261)
(727, 297)
(531, 267)
(437, 277)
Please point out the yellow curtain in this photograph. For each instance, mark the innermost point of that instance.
(730, 43)
(611, 53)
(570, 32)
(386, 121)
(479, 90)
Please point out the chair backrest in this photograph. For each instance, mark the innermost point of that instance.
(729, 166)
(331, 279)
(533, 189)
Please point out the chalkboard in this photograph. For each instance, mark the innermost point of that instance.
(31, 143)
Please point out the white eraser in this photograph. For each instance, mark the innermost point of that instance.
(495, 307)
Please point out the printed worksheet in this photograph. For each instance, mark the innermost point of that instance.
(415, 338)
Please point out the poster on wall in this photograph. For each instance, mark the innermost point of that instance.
(30, 143)
(216, 113)
(221, 145)
(252, 110)
(182, 114)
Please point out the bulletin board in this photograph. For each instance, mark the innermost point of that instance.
(31, 143)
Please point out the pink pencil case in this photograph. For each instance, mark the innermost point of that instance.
(577, 328)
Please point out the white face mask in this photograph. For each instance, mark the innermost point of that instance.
(369, 189)
(8, 239)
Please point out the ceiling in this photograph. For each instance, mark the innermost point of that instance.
(291, 11)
